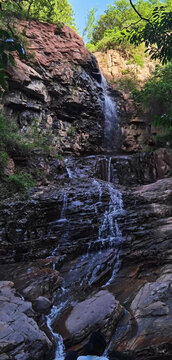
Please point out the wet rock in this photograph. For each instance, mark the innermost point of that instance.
(42, 305)
(89, 315)
(151, 309)
(131, 170)
(20, 336)
(38, 283)
(143, 282)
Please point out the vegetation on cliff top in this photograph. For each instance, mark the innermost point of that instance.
(54, 11)
(147, 21)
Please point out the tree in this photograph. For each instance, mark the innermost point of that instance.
(118, 16)
(53, 11)
(88, 31)
(156, 33)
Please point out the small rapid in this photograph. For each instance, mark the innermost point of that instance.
(60, 349)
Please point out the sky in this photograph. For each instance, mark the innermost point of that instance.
(81, 8)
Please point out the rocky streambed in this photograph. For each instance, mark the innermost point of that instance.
(89, 242)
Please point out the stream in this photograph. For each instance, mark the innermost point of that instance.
(90, 269)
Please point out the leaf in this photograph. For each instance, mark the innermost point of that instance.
(11, 59)
(4, 59)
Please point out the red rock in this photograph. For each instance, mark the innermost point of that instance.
(53, 44)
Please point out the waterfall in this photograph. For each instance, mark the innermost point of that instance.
(64, 207)
(62, 220)
(111, 128)
(107, 213)
(109, 228)
(69, 172)
(109, 170)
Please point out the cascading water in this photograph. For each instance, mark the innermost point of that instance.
(60, 350)
(111, 127)
(109, 228)
(108, 209)
(64, 207)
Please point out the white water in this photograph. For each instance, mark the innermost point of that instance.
(111, 128)
(109, 228)
(60, 350)
(62, 219)
(109, 169)
(69, 172)
(64, 207)
(109, 232)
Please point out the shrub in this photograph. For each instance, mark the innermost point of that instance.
(4, 158)
(127, 84)
(20, 182)
(156, 94)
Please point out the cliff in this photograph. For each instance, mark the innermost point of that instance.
(90, 244)
(57, 89)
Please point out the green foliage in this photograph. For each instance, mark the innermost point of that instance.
(71, 131)
(4, 158)
(156, 93)
(88, 31)
(155, 98)
(20, 182)
(164, 139)
(8, 46)
(115, 21)
(156, 34)
(8, 134)
(138, 59)
(127, 83)
(59, 156)
(90, 47)
(16, 146)
(35, 139)
(148, 22)
(53, 11)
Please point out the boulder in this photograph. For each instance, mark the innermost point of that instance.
(100, 311)
(42, 305)
(151, 310)
(20, 336)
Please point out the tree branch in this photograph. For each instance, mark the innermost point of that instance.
(141, 17)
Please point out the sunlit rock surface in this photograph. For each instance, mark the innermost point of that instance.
(58, 89)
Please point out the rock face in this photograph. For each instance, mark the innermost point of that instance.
(143, 282)
(52, 217)
(59, 92)
(116, 63)
(103, 221)
(120, 68)
(20, 336)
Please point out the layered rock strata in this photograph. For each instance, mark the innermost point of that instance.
(57, 90)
